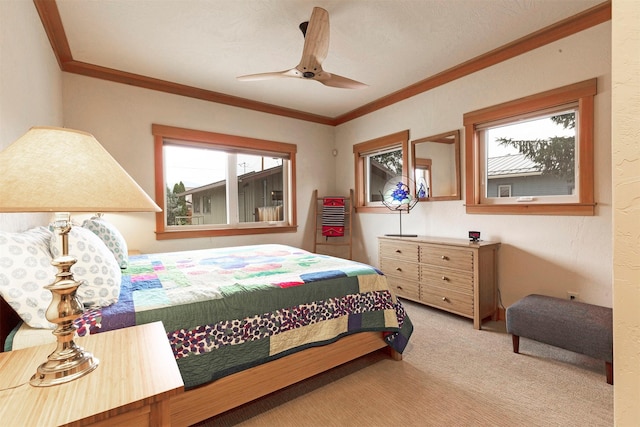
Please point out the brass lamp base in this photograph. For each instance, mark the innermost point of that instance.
(64, 366)
(68, 361)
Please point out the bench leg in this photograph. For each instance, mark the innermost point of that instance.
(609, 366)
(516, 343)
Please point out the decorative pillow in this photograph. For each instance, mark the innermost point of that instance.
(111, 237)
(96, 265)
(25, 268)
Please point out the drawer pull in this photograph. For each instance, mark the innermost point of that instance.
(398, 251)
(444, 257)
(445, 278)
(399, 288)
(445, 299)
(398, 269)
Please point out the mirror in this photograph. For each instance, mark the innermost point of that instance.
(436, 166)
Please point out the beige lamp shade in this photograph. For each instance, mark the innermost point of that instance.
(63, 170)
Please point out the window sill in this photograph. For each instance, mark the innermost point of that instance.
(577, 209)
(373, 209)
(192, 234)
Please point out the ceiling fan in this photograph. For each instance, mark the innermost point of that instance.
(316, 47)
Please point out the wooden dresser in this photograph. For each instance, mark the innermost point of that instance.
(455, 275)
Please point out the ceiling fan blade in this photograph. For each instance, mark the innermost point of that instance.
(316, 48)
(335, 80)
(316, 40)
(268, 76)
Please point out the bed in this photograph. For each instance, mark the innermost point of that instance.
(246, 321)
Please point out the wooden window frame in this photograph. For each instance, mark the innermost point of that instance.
(360, 150)
(160, 132)
(583, 93)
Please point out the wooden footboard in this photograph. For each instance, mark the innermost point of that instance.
(234, 390)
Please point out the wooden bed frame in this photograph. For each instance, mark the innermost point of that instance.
(229, 392)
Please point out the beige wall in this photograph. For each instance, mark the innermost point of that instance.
(30, 86)
(540, 254)
(626, 210)
(120, 117)
(544, 254)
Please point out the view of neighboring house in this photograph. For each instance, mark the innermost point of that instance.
(259, 199)
(382, 167)
(515, 175)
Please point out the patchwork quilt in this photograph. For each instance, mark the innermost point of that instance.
(229, 309)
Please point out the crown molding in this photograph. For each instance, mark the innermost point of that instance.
(50, 17)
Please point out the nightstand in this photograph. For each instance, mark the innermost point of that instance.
(132, 385)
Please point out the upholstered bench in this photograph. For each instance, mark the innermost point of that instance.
(575, 326)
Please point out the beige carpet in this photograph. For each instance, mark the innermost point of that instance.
(451, 375)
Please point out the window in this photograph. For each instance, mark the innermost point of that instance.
(424, 179)
(211, 184)
(504, 190)
(533, 155)
(376, 161)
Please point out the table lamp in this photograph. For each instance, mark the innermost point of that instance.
(61, 171)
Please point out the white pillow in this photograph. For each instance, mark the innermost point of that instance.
(111, 237)
(96, 265)
(25, 268)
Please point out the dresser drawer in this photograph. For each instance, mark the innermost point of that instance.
(447, 299)
(457, 280)
(403, 288)
(399, 250)
(446, 257)
(399, 269)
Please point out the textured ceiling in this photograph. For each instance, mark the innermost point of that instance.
(388, 44)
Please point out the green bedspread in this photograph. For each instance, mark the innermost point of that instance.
(229, 309)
